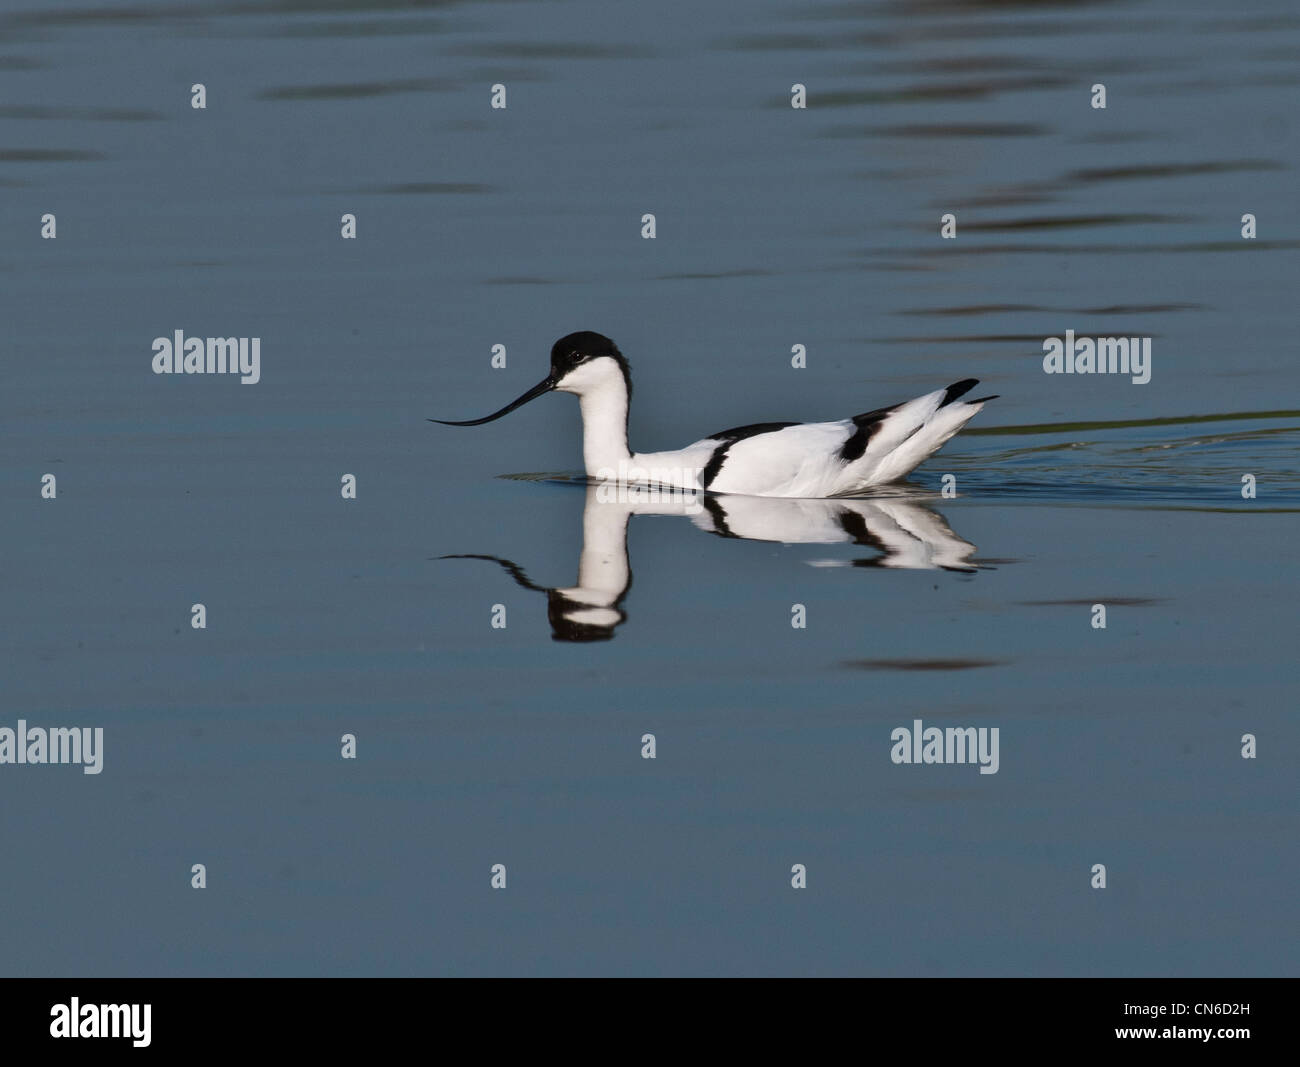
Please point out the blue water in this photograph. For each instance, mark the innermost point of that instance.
(520, 746)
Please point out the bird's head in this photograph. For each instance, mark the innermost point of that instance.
(580, 363)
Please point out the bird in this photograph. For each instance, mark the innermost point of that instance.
(812, 460)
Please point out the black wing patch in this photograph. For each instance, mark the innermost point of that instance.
(741, 432)
(866, 426)
(714, 465)
(729, 438)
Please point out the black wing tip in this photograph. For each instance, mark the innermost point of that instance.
(981, 399)
(958, 389)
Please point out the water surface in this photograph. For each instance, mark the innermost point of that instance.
(521, 745)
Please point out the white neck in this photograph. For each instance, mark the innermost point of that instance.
(604, 427)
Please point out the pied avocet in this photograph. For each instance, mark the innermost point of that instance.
(780, 459)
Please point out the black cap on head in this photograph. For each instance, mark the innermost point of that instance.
(577, 348)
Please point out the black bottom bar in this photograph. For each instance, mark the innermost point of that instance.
(338, 1016)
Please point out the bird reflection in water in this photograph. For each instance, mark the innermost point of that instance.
(906, 533)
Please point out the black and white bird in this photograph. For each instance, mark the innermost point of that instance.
(777, 459)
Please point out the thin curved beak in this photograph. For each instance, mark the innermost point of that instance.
(544, 386)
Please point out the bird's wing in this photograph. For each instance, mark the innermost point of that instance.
(796, 460)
